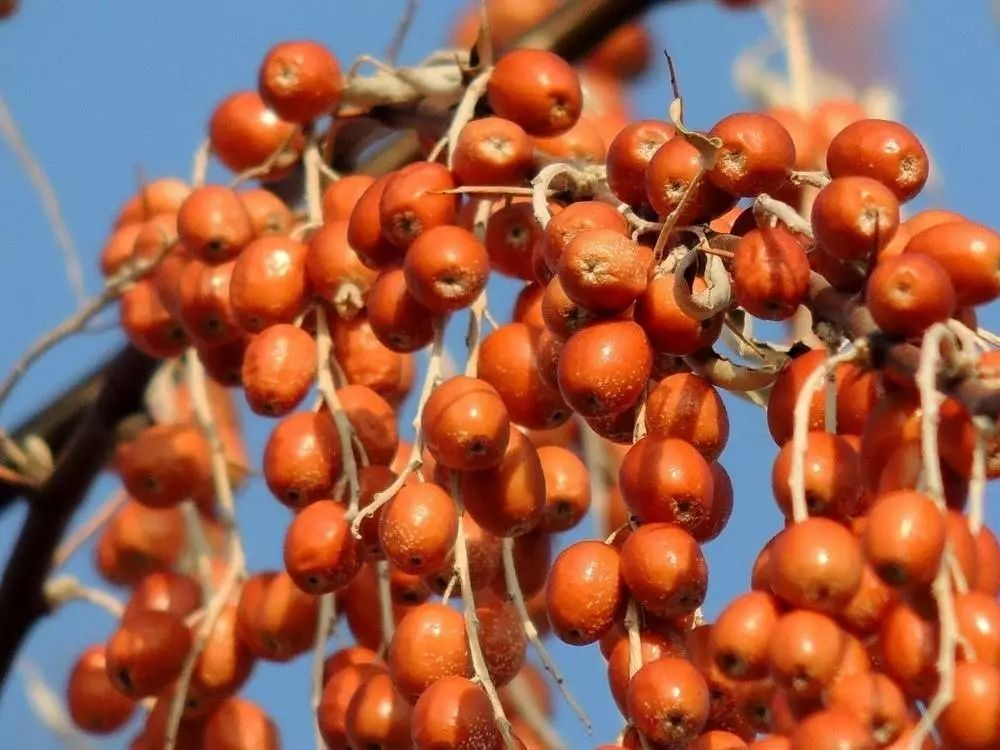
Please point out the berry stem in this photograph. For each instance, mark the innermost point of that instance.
(324, 626)
(517, 596)
(345, 432)
(385, 602)
(88, 528)
(634, 653)
(799, 56)
(59, 591)
(800, 435)
(765, 205)
(472, 622)
(520, 695)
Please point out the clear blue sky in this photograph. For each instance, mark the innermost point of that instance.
(101, 88)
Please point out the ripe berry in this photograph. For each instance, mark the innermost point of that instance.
(378, 716)
(739, 639)
(94, 703)
(832, 477)
(507, 499)
(905, 538)
(335, 271)
(465, 424)
(411, 202)
(166, 591)
(816, 564)
(536, 89)
(300, 81)
(146, 653)
(455, 713)
(511, 236)
(492, 151)
(853, 218)
(664, 570)
(567, 489)
(429, 643)
(446, 268)
(603, 271)
(653, 644)
(399, 321)
(338, 690)
(244, 133)
(268, 213)
(508, 362)
(373, 422)
(341, 196)
(321, 554)
(214, 224)
(628, 156)
(666, 480)
(669, 175)
(831, 729)
(805, 652)
(908, 293)
(668, 701)
(670, 329)
(770, 273)
(575, 219)
(240, 723)
(584, 593)
(302, 458)
(970, 255)
(275, 618)
(756, 154)
(165, 465)
(417, 528)
(972, 720)
(269, 284)
(279, 368)
(883, 150)
(688, 407)
(603, 369)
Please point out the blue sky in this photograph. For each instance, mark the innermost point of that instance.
(100, 89)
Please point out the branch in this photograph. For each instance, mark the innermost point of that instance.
(22, 599)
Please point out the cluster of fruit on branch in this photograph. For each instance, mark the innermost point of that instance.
(646, 250)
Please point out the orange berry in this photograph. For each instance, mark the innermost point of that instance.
(446, 268)
(239, 723)
(536, 89)
(455, 713)
(465, 424)
(146, 653)
(214, 224)
(816, 564)
(603, 369)
(667, 480)
(244, 133)
(668, 701)
(94, 702)
(908, 293)
(275, 618)
(302, 458)
(429, 644)
(417, 528)
(756, 154)
(279, 368)
(300, 81)
(321, 554)
(883, 150)
(584, 592)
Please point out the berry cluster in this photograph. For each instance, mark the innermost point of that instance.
(642, 249)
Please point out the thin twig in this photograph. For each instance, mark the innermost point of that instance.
(799, 57)
(385, 602)
(634, 652)
(800, 434)
(764, 204)
(91, 526)
(345, 431)
(977, 480)
(517, 596)
(415, 460)
(402, 29)
(59, 591)
(50, 201)
(113, 288)
(49, 709)
(472, 622)
(930, 403)
(198, 546)
(324, 623)
(527, 708)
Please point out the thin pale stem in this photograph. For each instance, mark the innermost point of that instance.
(977, 481)
(472, 624)
(385, 602)
(517, 596)
(49, 708)
(50, 201)
(91, 526)
(198, 545)
(765, 205)
(634, 652)
(76, 322)
(930, 403)
(59, 591)
(324, 624)
(401, 32)
(799, 56)
(345, 431)
(417, 448)
(520, 696)
(800, 434)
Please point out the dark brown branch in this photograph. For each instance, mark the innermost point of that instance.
(892, 354)
(22, 602)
